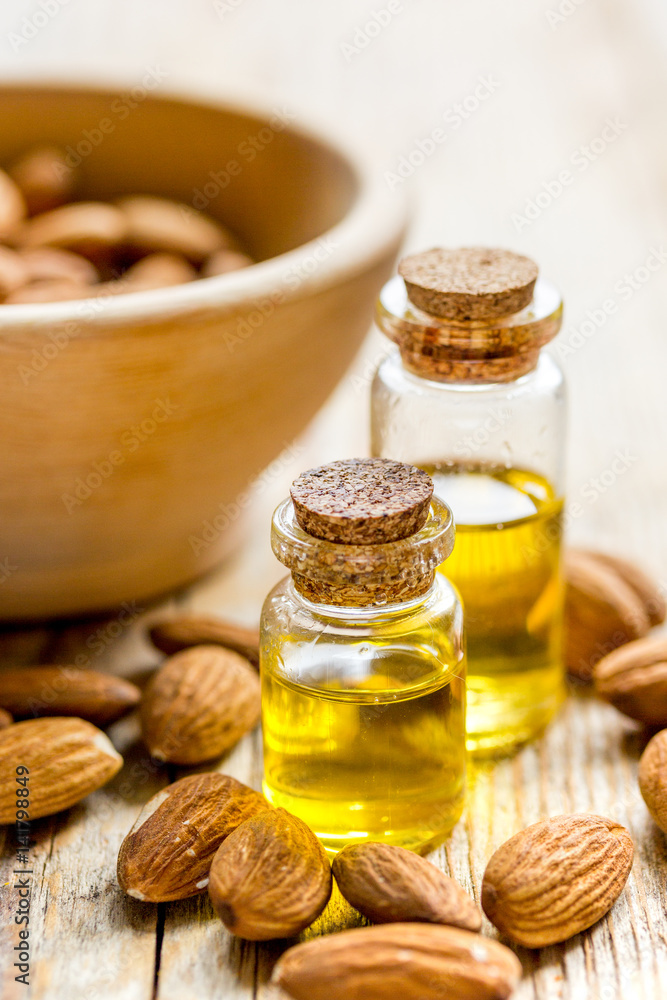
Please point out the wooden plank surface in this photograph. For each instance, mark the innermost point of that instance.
(553, 81)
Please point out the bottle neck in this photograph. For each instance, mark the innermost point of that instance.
(365, 611)
(471, 351)
(372, 593)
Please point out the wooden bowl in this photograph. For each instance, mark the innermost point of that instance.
(131, 427)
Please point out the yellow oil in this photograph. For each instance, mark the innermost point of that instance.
(506, 567)
(379, 756)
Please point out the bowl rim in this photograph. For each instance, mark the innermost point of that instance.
(377, 217)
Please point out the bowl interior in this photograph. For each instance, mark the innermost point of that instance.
(275, 186)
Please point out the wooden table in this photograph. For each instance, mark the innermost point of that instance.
(540, 94)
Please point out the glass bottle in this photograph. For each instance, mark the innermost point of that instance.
(468, 397)
(362, 668)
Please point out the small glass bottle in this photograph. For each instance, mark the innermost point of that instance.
(468, 397)
(362, 660)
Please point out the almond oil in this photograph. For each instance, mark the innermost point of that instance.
(506, 567)
(376, 754)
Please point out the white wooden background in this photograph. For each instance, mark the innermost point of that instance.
(556, 72)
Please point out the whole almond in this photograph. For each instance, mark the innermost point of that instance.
(67, 759)
(225, 261)
(645, 587)
(13, 272)
(89, 228)
(388, 884)
(634, 679)
(175, 634)
(53, 264)
(44, 178)
(64, 690)
(12, 207)
(168, 852)
(199, 704)
(556, 878)
(162, 225)
(270, 878)
(5, 719)
(58, 290)
(159, 270)
(653, 778)
(602, 612)
(399, 962)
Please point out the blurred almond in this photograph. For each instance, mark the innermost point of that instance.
(48, 291)
(66, 760)
(168, 852)
(175, 634)
(556, 878)
(13, 272)
(159, 270)
(645, 587)
(199, 704)
(225, 261)
(44, 178)
(64, 690)
(5, 719)
(52, 264)
(89, 228)
(162, 225)
(399, 962)
(634, 679)
(602, 612)
(653, 778)
(270, 878)
(388, 884)
(12, 207)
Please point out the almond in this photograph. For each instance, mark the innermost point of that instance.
(653, 778)
(602, 612)
(90, 228)
(399, 962)
(44, 178)
(388, 884)
(52, 264)
(168, 852)
(161, 225)
(57, 290)
(270, 878)
(224, 261)
(5, 719)
(644, 586)
(67, 759)
(175, 634)
(634, 679)
(99, 698)
(159, 270)
(12, 207)
(556, 878)
(199, 704)
(13, 272)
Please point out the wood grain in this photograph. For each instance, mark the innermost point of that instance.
(556, 85)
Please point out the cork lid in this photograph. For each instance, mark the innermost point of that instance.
(366, 501)
(470, 283)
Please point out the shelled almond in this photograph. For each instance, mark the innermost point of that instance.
(199, 704)
(168, 852)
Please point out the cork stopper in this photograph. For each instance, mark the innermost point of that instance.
(362, 501)
(362, 576)
(471, 315)
(471, 283)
